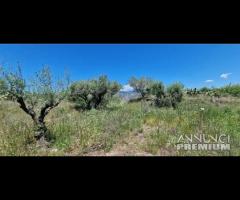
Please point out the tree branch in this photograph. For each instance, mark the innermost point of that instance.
(23, 106)
(46, 109)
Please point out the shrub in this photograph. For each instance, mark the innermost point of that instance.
(193, 92)
(204, 90)
(233, 90)
(164, 102)
(157, 89)
(176, 93)
(169, 97)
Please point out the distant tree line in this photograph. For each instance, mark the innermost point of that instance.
(228, 90)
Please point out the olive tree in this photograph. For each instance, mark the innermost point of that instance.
(37, 96)
(93, 93)
(157, 89)
(142, 85)
(175, 91)
(168, 97)
(160, 96)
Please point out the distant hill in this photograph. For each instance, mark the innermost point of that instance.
(128, 95)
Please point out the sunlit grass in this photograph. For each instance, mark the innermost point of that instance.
(78, 133)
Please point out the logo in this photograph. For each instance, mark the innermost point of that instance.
(204, 142)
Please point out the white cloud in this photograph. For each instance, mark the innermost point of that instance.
(209, 81)
(225, 76)
(127, 88)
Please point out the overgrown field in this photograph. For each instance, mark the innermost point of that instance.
(122, 128)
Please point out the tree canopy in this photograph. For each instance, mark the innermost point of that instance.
(93, 93)
(142, 85)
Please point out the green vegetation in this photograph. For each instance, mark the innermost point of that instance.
(233, 90)
(121, 127)
(105, 124)
(142, 85)
(3, 87)
(36, 98)
(229, 90)
(93, 93)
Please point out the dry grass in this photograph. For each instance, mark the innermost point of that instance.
(121, 129)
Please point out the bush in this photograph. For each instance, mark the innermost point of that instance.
(157, 89)
(176, 92)
(164, 102)
(169, 98)
(93, 93)
(233, 90)
(193, 92)
(204, 90)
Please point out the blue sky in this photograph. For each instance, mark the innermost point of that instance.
(191, 64)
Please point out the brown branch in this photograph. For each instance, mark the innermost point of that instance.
(46, 109)
(23, 106)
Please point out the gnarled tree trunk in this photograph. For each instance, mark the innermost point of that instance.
(98, 96)
(41, 132)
